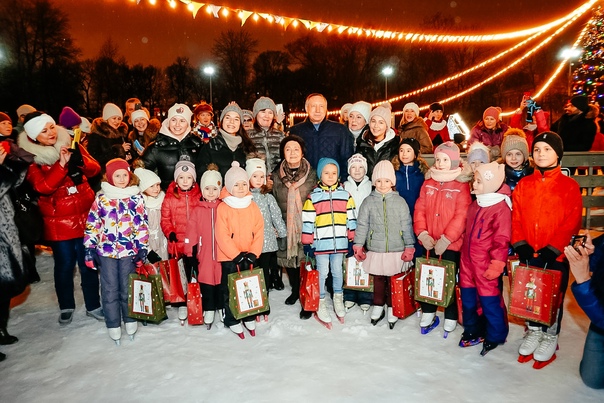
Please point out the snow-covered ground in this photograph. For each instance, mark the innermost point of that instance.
(289, 360)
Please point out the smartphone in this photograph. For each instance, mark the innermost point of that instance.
(139, 147)
(77, 133)
(279, 109)
(578, 240)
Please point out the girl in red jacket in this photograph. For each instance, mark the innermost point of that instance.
(439, 220)
(547, 212)
(182, 198)
(202, 246)
(483, 257)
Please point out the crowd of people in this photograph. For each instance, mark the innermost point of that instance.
(127, 189)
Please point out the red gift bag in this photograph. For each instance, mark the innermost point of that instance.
(535, 294)
(402, 291)
(194, 306)
(309, 286)
(172, 273)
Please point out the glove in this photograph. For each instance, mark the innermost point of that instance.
(548, 255)
(282, 242)
(250, 257)
(441, 245)
(494, 270)
(172, 237)
(140, 257)
(359, 253)
(350, 250)
(309, 250)
(525, 252)
(426, 240)
(239, 258)
(407, 255)
(90, 258)
(153, 257)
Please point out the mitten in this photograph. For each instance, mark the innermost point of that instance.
(282, 243)
(309, 251)
(172, 237)
(426, 240)
(494, 270)
(250, 257)
(407, 255)
(359, 253)
(441, 245)
(140, 257)
(350, 250)
(525, 252)
(548, 255)
(153, 257)
(239, 258)
(90, 258)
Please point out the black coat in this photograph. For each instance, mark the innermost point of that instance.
(217, 152)
(104, 144)
(577, 131)
(162, 155)
(385, 152)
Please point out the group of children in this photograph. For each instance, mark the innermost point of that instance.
(406, 210)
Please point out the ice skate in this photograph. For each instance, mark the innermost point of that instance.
(469, 340)
(391, 318)
(349, 305)
(220, 314)
(322, 315)
(449, 326)
(546, 352)
(338, 307)
(208, 318)
(251, 327)
(428, 322)
(531, 342)
(116, 334)
(238, 330)
(365, 308)
(182, 314)
(278, 280)
(131, 328)
(488, 346)
(377, 314)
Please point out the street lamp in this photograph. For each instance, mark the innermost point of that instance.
(209, 71)
(387, 72)
(570, 54)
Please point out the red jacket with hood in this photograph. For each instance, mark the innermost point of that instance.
(176, 211)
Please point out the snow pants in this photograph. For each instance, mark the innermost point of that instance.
(114, 289)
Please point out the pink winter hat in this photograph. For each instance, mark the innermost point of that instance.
(492, 112)
(383, 170)
(492, 176)
(234, 174)
(451, 149)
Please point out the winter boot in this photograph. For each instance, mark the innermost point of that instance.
(488, 346)
(294, 280)
(305, 314)
(531, 342)
(6, 339)
(182, 314)
(365, 308)
(349, 305)
(544, 354)
(131, 328)
(391, 318)
(377, 314)
(449, 326)
(322, 314)
(2, 357)
(251, 327)
(338, 306)
(277, 275)
(470, 339)
(97, 314)
(238, 330)
(66, 317)
(428, 322)
(116, 334)
(208, 318)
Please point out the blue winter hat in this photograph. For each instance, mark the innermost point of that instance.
(325, 161)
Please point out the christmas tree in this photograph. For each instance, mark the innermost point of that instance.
(588, 76)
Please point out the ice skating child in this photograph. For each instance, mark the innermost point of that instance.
(240, 237)
(202, 247)
(328, 224)
(515, 156)
(384, 225)
(274, 226)
(439, 220)
(153, 196)
(116, 241)
(359, 187)
(182, 198)
(483, 257)
(547, 212)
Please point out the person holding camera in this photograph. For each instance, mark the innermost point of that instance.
(529, 118)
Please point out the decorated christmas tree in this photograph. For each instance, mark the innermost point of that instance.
(588, 74)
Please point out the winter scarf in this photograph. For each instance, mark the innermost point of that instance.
(293, 180)
(115, 193)
(231, 141)
(490, 199)
(444, 176)
(154, 203)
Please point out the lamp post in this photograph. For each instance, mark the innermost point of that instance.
(209, 71)
(570, 54)
(387, 72)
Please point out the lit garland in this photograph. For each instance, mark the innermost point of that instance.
(194, 7)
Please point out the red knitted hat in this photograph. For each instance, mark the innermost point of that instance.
(115, 165)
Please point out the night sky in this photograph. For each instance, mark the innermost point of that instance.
(157, 34)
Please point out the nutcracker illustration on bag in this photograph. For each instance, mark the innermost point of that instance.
(530, 293)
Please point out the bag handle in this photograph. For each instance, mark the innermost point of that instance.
(440, 258)
(173, 249)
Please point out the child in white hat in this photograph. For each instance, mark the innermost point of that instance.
(153, 196)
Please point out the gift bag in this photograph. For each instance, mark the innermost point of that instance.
(402, 292)
(145, 297)
(172, 274)
(194, 306)
(247, 293)
(535, 294)
(309, 285)
(355, 277)
(434, 281)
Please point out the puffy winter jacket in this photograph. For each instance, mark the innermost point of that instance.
(384, 150)
(176, 211)
(274, 226)
(201, 231)
(217, 152)
(63, 204)
(267, 144)
(547, 210)
(358, 192)
(409, 181)
(489, 137)
(442, 208)
(162, 155)
(418, 130)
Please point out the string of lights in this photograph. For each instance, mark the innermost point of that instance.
(219, 10)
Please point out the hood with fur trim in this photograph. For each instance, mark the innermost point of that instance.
(45, 155)
(103, 128)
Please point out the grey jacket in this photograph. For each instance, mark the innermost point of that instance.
(274, 226)
(384, 223)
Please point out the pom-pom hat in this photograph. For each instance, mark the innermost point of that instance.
(234, 174)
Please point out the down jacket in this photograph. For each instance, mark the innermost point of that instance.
(267, 144)
(63, 204)
(201, 231)
(176, 211)
(384, 150)
(491, 138)
(274, 225)
(217, 152)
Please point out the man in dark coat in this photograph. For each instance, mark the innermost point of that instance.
(577, 126)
